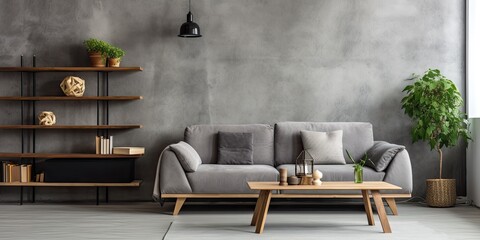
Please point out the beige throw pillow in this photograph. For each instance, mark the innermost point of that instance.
(325, 147)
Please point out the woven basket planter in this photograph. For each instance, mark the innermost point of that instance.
(441, 192)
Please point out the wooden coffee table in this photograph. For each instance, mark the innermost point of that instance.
(266, 188)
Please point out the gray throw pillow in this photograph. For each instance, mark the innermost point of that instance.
(325, 147)
(235, 148)
(382, 154)
(188, 157)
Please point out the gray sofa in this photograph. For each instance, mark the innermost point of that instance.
(274, 147)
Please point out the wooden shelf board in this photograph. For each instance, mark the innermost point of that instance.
(66, 155)
(64, 98)
(135, 183)
(70, 127)
(70, 69)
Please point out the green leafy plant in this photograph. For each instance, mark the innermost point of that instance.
(115, 52)
(95, 45)
(361, 163)
(433, 103)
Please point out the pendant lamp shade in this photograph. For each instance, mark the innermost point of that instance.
(189, 29)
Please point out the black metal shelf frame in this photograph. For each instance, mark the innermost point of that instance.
(102, 110)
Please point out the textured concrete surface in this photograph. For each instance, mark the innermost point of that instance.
(473, 165)
(232, 221)
(258, 62)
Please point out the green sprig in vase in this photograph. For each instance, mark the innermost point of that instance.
(358, 167)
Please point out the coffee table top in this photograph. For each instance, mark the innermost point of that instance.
(369, 185)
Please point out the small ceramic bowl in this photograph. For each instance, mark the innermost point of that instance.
(293, 180)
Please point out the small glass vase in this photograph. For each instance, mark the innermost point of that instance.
(358, 174)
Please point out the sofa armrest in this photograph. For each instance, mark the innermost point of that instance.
(399, 172)
(172, 177)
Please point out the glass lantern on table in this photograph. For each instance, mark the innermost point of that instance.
(304, 167)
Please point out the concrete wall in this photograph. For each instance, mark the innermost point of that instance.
(473, 164)
(473, 103)
(258, 62)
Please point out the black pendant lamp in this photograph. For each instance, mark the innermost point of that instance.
(189, 29)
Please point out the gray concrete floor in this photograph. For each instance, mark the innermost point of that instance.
(150, 221)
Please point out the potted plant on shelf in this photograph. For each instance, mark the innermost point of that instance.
(96, 50)
(433, 103)
(114, 55)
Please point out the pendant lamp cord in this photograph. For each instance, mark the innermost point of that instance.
(189, 3)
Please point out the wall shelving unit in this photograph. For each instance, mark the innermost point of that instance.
(28, 98)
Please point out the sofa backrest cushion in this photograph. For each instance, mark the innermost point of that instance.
(203, 138)
(357, 138)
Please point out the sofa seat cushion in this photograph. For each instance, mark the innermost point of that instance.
(339, 172)
(216, 178)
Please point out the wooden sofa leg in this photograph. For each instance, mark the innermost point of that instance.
(178, 205)
(393, 206)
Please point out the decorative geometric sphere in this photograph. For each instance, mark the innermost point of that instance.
(73, 86)
(47, 118)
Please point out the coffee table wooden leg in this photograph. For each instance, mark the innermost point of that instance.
(257, 208)
(393, 206)
(262, 215)
(368, 207)
(382, 214)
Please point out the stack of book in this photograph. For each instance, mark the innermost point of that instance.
(103, 145)
(129, 150)
(40, 177)
(16, 172)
